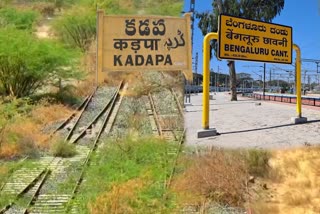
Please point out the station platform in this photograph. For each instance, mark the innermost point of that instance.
(311, 100)
(249, 123)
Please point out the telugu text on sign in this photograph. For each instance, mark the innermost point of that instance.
(245, 39)
(145, 43)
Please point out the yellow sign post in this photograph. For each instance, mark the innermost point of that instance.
(143, 43)
(244, 39)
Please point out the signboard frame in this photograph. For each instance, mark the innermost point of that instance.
(222, 38)
(101, 45)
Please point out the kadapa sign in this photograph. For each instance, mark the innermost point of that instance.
(245, 39)
(143, 43)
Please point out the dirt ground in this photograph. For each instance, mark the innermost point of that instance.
(248, 123)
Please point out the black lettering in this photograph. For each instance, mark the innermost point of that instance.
(139, 60)
(159, 58)
(144, 29)
(117, 60)
(149, 60)
(226, 47)
(130, 27)
(232, 48)
(156, 31)
(246, 49)
(129, 61)
(168, 60)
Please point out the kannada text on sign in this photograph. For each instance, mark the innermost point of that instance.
(251, 40)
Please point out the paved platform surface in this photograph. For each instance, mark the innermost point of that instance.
(244, 124)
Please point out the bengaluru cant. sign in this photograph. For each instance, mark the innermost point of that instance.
(245, 39)
(143, 43)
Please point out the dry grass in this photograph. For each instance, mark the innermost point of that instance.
(60, 148)
(8, 151)
(24, 136)
(217, 175)
(298, 190)
(119, 199)
(45, 113)
(265, 208)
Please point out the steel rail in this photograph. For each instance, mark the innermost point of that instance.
(87, 161)
(97, 116)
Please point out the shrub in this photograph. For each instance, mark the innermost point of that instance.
(77, 28)
(63, 149)
(129, 176)
(258, 161)
(28, 147)
(27, 63)
(217, 176)
(23, 20)
(45, 8)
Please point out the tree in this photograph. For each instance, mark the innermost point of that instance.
(27, 63)
(20, 19)
(244, 79)
(263, 10)
(77, 28)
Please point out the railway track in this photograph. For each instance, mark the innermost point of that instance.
(38, 188)
(171, 132)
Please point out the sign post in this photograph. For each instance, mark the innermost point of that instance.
(143, 43)
(206, 131)
(249, 40)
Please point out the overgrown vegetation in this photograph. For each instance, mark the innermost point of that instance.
(297, 190)
(22, 20)
(258, 162)
(6, 170)
(219, 176)
(129, 176)
(77, 28)
(21, 123)
(63, 149)
(27, 63)
(216, 176)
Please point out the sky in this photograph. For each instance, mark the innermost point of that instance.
(302, 16)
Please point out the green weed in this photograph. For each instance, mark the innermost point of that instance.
(129, 176)
(258, 161)
(63, 149)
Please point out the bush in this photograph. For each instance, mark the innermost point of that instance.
(129, 176)
(218, 176)
(28, 147)
(77, 28)
(27, 63)
(45, 8)
(63, 149)
(258, 161)
(23, 20)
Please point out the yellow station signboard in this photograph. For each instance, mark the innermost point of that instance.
(245, 39)
(143, 43)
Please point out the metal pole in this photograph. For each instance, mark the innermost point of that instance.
(270, 79)
(97, 43)
(226, 83)
(298, 79)
(264, 80)
(317, 73)
(196, 69)
(215, 81)
(206, 76)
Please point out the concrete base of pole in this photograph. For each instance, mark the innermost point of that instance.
(298, 120)
(202, 133)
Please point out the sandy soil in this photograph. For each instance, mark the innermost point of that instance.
(245, 124)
